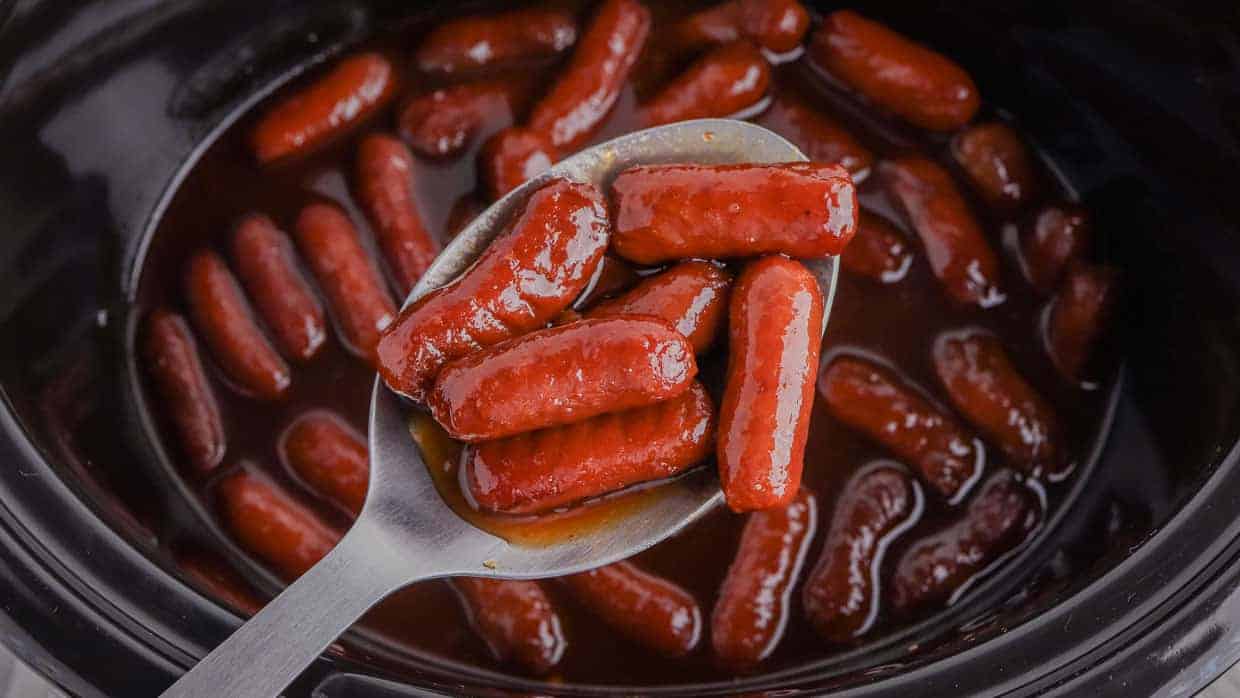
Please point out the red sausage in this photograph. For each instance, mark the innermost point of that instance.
(214, 575)
(471, 43)
(752, 609)
(956, 248)
(172, 361)
(776, 25)
(515, 619)
(646, 609)
(985, 387)
(329, 457)
(353, 287)
(820, 137)
(775, 325)
(224, 317)
(692, 296)
(1056, 236)
(721, 83)
(543, 470)
(524, 278)
(561, 375)
(264, 259)
(441, 123)
(1077, 317)
(591, 83)
(875, 401)
(935, 568)
(999, 165)
(878, 251)
(919, 85)
(353, 90)
(513, 156)
(385, 171)
(666, 212)
(272, 525)
(841, 596)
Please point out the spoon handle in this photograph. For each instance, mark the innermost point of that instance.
(263, 656)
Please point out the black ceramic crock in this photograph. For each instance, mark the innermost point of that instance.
(103, 106)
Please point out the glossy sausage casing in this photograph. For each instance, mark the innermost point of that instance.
(775, 330)
(667, 212)
(777, 25)
(721, 83)
(1078, 316)
(817, 135)
(999, 165)
(646, 609)
(513, 156)
(473, 43)
(385, 178)
(1055, 237)
(272, 525)
(692, 296)
(878, 251)
(523, 279)
(329, 457)
(546, 469)
(441, 123)
(171, 358)
(516, 619)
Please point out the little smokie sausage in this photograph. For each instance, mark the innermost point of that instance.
(353, 287)
(774, 327)
(721, 83)
(224, 318)
(649, 610)
(171, 359)
(472, 43)
(513, 156)
(997, 520)
(561, 375)
(985, 387)
(1077, 316)
(272, 525)
(666, 212)
(213, 574)
(776, 25)
(841, 596)
(820, 137)
(385, 177)
(878, 251)
(267, 265)
(442, 122)
(875, 401)
(956, 248)
(753, 605)
(329, 457)
(353, 90)
(919, 85)
(515, 619)
(693, 296)
(591, 83)
(543, 470)
(998, 163)
(1054, 238)
(523, 279)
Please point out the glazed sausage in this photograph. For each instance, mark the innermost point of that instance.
(385, 172)
(264, 259)
(171, 359)
(721, 83)
(878, 251)
(999, 165)
(956, 248)
(561, 375)
(513, 156)
(919, 85)
(984, 386)
(666, 212)
(820, 137)
(524, 278)
(613, 275)
(649, 610)
(1077, 317)
(776, 25)
(997, 520)
(224, 317)
(775, 326)
(692, 296)
(472, 43)
(1051, 241)
(591, 83)
(213, 575)
(353, 287)
(841, 597)
(875, 401)
(273, 526)
(355, 88)
(543, 470)
(752, 609)
(441, 123)
(515, 619)
(329, 457)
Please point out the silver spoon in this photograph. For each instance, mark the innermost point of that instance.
(405, 532)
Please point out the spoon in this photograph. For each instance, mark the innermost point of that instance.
(405, 532)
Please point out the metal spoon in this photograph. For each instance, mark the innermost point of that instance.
(406, 533)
